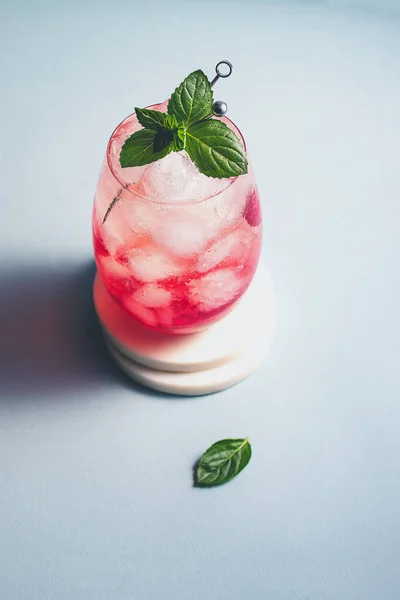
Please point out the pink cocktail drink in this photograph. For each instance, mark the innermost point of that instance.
(178, 249)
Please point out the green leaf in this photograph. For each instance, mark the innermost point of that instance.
(180, 138)
(154, 119)
(151, 119)
(223, 461)
(163, 139)
(171, 122)
(192, 100)
(216, 149)
(145, 146)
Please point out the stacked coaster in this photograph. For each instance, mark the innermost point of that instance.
(198, 363)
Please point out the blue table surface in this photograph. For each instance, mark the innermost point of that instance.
(96, 495)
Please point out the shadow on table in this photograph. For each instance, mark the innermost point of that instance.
(50, 339)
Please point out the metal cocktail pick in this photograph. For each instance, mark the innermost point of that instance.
(219, 106)
(219, 73)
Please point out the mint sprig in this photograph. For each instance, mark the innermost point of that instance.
(213, 147)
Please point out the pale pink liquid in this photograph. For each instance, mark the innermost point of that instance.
(176, 259)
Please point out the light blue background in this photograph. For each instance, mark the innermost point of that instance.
(96, 496)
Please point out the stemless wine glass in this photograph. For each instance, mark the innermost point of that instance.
(178, 249)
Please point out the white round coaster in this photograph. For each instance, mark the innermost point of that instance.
(196, 383)
(198, 363)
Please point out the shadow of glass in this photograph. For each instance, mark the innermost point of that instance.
(50, 337)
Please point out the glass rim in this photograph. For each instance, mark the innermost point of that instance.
(124, 184)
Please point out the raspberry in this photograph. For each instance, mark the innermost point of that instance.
(252, 210)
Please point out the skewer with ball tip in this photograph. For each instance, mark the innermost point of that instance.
(220, 107)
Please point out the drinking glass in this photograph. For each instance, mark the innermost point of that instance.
(178, 249)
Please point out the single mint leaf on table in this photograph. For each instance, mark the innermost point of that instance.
(192, 100)
(146, 146)
(216, 149)
(223, 461)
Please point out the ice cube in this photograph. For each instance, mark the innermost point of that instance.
(165, 316)
(229, 205)
(112, 268)
(153, 296)
(116, 231)
(182, 229)
(183, 236)
(175, 178)
(215, 289)
(143, 314)
(149, 264)
(115, 276)
(141, 216)
(232, 247)
(107, 188)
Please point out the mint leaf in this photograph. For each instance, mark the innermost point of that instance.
(146, 146)
(154, 119)
(180, 138)
(223, 461)
(216, 149)
(151, 119)
(170, 121)
(192, 100)
(162, 139)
